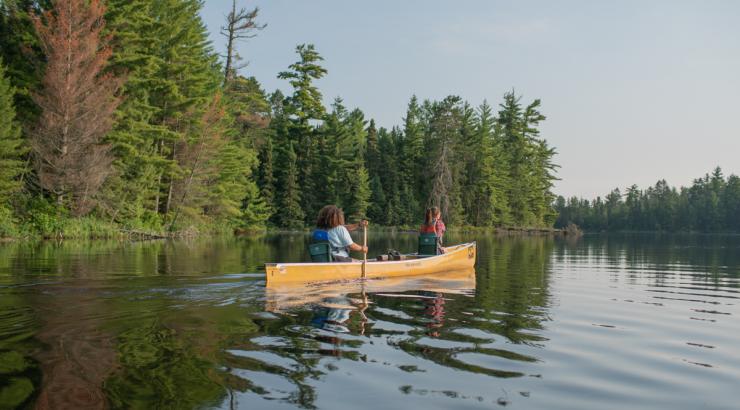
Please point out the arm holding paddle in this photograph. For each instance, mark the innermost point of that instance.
(358, 248)
(353, 227)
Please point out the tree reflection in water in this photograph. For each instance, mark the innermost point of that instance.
(178, 324)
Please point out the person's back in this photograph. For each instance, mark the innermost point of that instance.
(331, 220)
(340, 241)
(433, 222)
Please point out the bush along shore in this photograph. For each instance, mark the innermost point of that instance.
(89, 228)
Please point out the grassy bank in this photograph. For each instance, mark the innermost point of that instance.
(51, 223)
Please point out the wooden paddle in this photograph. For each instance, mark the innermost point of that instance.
(364, 245)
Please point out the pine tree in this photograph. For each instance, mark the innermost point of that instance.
(355, 180)
(11, 144)
(187, 79)
(249, 118)
(444, 138)
(266, 180)
(290, 214)
(200, 158)
(130, 192)
(360, 194)
(488, 181)
(390, 176)
(249, 111)
(303, 106)
(530, 167)
(305, 103)
(22, 53)
(540, 170)
(414, 180)
(731, 204)
(613, 210)
(468, 170)
(77, 103)
(378, 204)
(373, 164)
(542, 177)
(372, 154)
(256, 210)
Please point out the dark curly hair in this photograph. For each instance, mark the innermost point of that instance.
(330, 217)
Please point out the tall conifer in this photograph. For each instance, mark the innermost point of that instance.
(11, 144)
(77, 102)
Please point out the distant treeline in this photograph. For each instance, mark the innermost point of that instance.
(122, 114)
(710, 204)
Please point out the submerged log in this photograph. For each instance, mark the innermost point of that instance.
(142, 235)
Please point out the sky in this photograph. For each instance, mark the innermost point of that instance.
(633, 91)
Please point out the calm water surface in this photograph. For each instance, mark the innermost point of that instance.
(617, 322)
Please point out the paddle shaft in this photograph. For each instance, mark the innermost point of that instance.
(364, 245)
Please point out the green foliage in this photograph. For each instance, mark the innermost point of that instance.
(295, 129)
(129, 195)
(196, 153)
(256, 211)
(8, 223)
(158, 367)
(12, 362)
(305, 103)
(45, 219)
(359, 201)
(710, 204)
(15, 392)
(19, 48)
(290, 214)
(11, 144)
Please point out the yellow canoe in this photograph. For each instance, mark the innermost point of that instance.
(282, 297)
(456, 258)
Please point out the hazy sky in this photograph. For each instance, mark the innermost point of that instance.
(634, 91)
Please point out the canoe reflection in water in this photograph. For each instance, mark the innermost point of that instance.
(337, 304)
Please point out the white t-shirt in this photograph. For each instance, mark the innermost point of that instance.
(340, 240)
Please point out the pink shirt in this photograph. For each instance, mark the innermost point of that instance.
(441, 228)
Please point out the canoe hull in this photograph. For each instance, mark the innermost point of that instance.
(456, 258)
(282, 297)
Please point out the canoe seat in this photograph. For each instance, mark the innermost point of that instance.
(320, 252)
(428, 244)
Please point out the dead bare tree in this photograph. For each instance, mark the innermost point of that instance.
(77, 102)
(240, 25)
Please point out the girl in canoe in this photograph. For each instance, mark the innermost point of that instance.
(331, 221)
(433, 224)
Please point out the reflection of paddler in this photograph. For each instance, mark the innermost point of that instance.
(435, 310)
(333, 318)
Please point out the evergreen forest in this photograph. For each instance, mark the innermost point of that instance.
(710, 204)
(120, 115)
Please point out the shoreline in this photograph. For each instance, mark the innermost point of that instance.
(141, 235)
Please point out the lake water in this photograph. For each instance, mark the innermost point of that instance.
(602, 322)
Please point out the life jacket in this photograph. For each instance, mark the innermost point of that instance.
(427, 229)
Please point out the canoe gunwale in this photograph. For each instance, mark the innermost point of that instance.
(456, 248)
